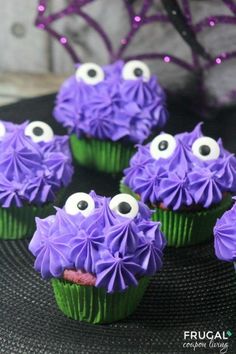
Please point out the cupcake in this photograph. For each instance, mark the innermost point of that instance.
(35, 165)
(109, 109)
(225, 236)
(187, 179)
(99, 254)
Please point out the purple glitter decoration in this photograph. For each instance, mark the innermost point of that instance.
(137, 20)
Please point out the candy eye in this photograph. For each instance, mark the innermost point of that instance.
(39, 131)
(90, 73)
(2, 130)
(136, 69)
(162, 146)
(80, 203)
(124, 205)
(206, 148)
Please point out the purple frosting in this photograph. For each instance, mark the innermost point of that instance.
(32, 171)
(183, 177)
(116, 249)
(51, 250)
(225, 236)
(115, 108)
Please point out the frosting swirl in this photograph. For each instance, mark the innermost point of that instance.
(182, 170)
(52, 250)
(147, 185)
(174, 191)
(225, 236)
(148, 251)
(116, 272)
(123, 237)
(114, 107)
(32, 171)
(205, 187)
(104, 247)
(84, 249)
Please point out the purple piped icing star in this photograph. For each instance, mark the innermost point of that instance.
(225, 236)
(118, 101)
(116, 272)
(182, 170)
(112, 239)
(52, 250)
(34, 163)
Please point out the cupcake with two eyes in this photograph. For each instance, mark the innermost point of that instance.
(187, 179)
(109, 109)
(35, 166)
(225, 236)
(100, 253)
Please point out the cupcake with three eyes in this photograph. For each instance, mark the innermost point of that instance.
(225, 236)
(187, 179)
(99, 253)
(35, 166)
(107, 110)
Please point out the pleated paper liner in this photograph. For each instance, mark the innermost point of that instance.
(102, 155)
(186, 228)
(125, 189)
(19, 222)
(94, 305)
(190, 228)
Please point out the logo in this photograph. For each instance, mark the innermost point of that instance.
(217, 341)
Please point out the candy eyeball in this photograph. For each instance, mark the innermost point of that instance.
(90, 73)
(136, 69)
(124, 205)
(163, 146)
(2, 130)
(206, 149)
(39, 131)
(80, 203)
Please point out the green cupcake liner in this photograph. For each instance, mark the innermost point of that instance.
(125, 189)
(19, 222)
(187, 228)
(94, 305)
(103, 155)
(190, 228)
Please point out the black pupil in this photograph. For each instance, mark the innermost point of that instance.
(124, 208)
(82, 205)
(92, 73)
(37, 131)
(138, 72)
(163, 145)
(204, 150)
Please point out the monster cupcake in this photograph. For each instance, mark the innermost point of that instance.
(187, 179)
(99, 253)
(35, 165)
(225, 236)
(109, 109)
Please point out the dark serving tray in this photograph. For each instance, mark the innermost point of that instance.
(194, 291)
